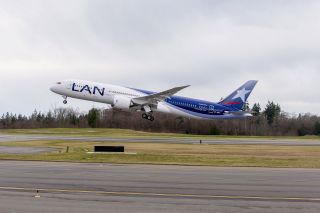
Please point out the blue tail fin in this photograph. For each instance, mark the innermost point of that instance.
(238, 98)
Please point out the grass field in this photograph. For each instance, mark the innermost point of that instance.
(181, 154)
(131, 133)
(164, 153)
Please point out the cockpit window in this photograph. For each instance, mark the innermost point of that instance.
(58, 82)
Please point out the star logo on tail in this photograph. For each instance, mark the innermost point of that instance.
(241, 94)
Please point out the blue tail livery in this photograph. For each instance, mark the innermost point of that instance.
(238, 98)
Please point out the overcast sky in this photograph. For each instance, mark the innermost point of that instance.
(214, 46)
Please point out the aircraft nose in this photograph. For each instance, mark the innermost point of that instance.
(53, 88)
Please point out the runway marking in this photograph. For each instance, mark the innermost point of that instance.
(238, 197)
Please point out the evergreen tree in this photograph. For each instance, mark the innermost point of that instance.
(246, 107)
(93, 117)
(272, 111)
(256, 109)
(317, 128)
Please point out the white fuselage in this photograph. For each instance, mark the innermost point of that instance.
(106, 93)
(121, 98)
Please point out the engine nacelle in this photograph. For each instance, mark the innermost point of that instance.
(121, 103)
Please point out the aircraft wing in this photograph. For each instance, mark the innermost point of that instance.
(157, 97)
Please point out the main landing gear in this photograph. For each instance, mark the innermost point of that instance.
(65, 99)
(147, 116)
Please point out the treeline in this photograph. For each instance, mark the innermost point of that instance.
(270, 121)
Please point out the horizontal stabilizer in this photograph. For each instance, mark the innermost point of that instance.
(242, 113)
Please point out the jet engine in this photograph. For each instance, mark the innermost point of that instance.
(121, 103)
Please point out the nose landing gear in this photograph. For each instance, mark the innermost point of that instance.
(65, 99)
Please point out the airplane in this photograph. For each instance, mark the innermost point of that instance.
(147, 102)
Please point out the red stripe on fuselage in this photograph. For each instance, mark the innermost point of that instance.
(232, 103)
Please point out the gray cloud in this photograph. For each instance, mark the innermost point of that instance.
(212, 45)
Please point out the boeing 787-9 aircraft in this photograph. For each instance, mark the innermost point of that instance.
(130, 99)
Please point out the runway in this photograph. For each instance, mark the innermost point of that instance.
(71, 187)
(282, 142)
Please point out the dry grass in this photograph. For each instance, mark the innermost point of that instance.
(105, 132)
(183, 154)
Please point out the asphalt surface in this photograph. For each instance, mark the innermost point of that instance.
(285, 142)
(70, 187)
(23, 150)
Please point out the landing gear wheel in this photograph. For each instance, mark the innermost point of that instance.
(65, 99)
(147, 117)
(150, 118)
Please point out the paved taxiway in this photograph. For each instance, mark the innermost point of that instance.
(70, 187)
(24, 150)
(286, 142)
